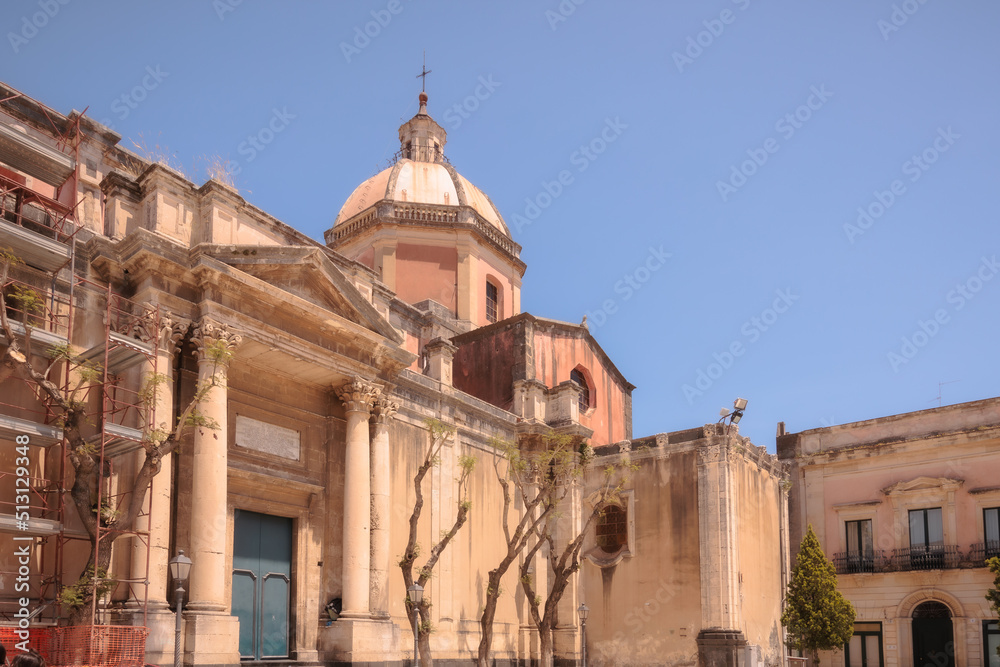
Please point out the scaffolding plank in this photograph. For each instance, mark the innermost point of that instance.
(123, 352)
(35, 527)
(33, 248)
(118, 439)
(42, 336)
(41, 435)
(31, 156)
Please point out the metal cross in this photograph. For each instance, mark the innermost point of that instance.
(423, 75)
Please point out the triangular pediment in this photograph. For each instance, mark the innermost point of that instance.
(923, 484)
(306, 273)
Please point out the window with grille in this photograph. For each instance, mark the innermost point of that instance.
(612, 529)
(860, 546)
(578, 377)
(492, 301)
(991, 531)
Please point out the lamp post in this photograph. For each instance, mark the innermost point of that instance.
(180, 569)
(583, 610)
(416, 592)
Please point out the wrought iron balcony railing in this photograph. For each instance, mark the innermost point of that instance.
(857, 562)
(981, 551)
(934, 557)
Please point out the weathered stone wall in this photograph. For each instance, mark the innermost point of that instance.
(646, 608)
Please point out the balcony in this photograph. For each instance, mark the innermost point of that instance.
(978, 553)
(939, 557)
(854, 562)
(934, 557)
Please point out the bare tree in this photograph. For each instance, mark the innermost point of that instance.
(535, 477)
(439, 434)
(564, 563)
(85, 458)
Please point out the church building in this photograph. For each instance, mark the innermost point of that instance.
(334, 356)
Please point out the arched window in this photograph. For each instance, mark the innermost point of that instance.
(612, 529)
(577, 376)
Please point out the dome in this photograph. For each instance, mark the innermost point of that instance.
(419, 182)
(421, 175)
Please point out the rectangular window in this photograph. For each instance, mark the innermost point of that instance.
(991, 531)
(865, 647)
(926, 539)
(492, 301)
(860, 546)
(991, 641)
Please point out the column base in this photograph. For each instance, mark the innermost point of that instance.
(211, 639)
(161, 626)
(354, 641)
(721, 648)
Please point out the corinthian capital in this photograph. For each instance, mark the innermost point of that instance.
(358, 394)
(172, 330)
(208, 333)
(383, 410)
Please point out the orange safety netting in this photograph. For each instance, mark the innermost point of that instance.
(90, 645)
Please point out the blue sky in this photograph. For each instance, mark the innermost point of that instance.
(716, 156)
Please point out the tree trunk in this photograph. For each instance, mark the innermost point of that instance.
(545, 646)
(486, 622)
(424, 637)
(81, 615)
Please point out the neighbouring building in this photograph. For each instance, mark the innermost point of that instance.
(908, 509)
(337, 354)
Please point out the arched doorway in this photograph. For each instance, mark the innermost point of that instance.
(933, 639)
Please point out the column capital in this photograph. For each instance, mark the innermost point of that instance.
(383, 410)
(358, 394)
(209, 332)
(172, 330)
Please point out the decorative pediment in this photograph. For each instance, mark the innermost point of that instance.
(923, 484)
(306, 273)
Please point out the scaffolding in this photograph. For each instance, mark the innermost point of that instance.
(46, 299)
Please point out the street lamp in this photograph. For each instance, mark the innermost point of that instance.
(583, 610)
(416, 592)
(180, 569)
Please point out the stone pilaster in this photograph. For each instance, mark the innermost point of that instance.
(357, 396)
(383, 411)
(215, 342)
(440, 358)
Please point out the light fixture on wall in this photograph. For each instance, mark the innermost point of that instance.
(739, 406)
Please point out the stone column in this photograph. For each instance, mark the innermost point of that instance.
(159, 619)
(171, 332)
(383, 411)
(207, 593)
(357, 395)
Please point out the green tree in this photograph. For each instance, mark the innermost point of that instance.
(817, 616)
(993, 594)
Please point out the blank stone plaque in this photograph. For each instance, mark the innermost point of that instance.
(268, 438)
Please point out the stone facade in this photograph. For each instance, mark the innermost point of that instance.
(902, 505)
(328, 361)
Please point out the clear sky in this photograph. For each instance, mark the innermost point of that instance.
(791, 202)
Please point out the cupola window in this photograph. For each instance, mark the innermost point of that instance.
(492, 301)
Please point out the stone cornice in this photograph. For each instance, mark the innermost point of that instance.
(392, 213)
